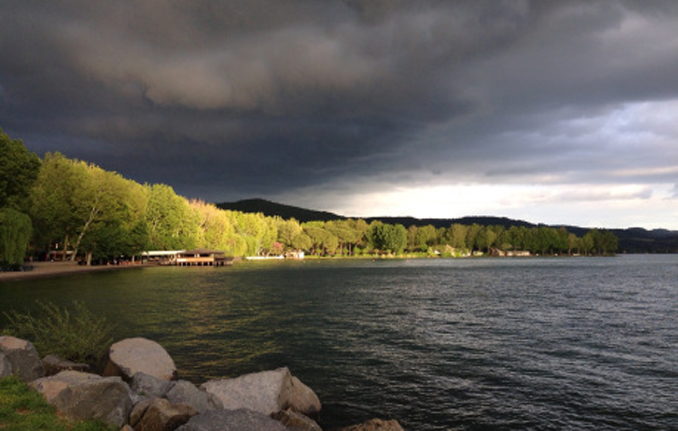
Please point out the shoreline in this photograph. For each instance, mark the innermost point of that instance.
(58, 269)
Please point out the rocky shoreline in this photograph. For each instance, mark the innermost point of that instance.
(139, 390)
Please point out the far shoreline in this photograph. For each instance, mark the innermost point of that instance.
(42, 270)
(57, 269)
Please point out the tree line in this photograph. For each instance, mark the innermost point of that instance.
(58, 204)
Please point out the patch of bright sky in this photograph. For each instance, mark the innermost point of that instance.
(606, 206)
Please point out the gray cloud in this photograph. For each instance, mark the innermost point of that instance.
(235, 98)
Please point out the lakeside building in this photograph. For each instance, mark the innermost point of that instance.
(203, 257)
(195, 257)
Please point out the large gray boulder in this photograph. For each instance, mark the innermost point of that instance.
(23, 359)
(266, 392)
(375, 425)
(134, 355)
(185, 392)
(232, 420)
(5, 366)
(83, 396)
(158, 414)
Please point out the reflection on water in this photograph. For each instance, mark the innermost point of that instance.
(436, 344)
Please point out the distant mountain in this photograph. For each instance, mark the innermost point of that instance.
(632, 240)
(447, 222)
(271, 209)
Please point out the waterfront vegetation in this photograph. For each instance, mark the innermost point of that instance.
(72, 333)
(75, 208)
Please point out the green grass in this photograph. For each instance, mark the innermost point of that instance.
(22, 409)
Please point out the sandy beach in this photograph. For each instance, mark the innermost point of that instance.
(56, 269)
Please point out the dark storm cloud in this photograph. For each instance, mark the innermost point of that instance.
(229, 99)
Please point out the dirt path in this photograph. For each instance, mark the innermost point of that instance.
(55, 269)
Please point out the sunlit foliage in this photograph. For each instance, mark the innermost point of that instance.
(97, 215)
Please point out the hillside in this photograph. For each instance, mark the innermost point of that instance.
(631, 240)
(271, 209)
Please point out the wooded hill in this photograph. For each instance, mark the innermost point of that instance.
(631, 240)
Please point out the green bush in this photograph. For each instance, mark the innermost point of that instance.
(22, 409)
(76, 335)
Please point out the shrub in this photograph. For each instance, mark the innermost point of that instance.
(78, 335)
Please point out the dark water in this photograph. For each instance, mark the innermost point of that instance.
(561, 344)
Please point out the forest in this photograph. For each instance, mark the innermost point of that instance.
(62, 205)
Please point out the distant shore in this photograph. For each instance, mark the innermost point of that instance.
(57, 269)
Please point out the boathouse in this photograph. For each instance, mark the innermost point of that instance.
(202, 257)
(162, 257)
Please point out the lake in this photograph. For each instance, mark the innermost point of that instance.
(467, 344)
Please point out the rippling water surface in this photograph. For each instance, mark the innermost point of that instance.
(571, 343)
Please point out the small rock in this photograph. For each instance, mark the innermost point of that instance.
(162, 415)
(375, 425)
(144, 385)
(54, 365)
(294, 421)
(232, 420)
(139, 410)
(134, 355)
(266, 392)
(23, 358)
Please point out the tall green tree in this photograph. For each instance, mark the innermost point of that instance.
(323, 241)
(259, 232)
(472, 236)
(346, 234)
(79, 204)
(387, 238)
(486, 238)
(19, 170)
(171, 223)
(15, 233)
(458, 234)
(425, 237)
(100, 200)
(53, 201)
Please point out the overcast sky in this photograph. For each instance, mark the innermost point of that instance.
(559, 112)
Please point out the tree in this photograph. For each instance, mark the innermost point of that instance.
(215, 228)
(346, 234)
(102, 199)
(53, 201)
(412, 237)
(608, 242)
(425, 237)
(387, 238)
(171, 223)
(323, 241)
(76, 202)
(601, 241)
(19, 169)
(486, 238)
(258, 232)
(573, 243)
(15, 233)
(288, 230)
(458, 236)
(472, 236)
